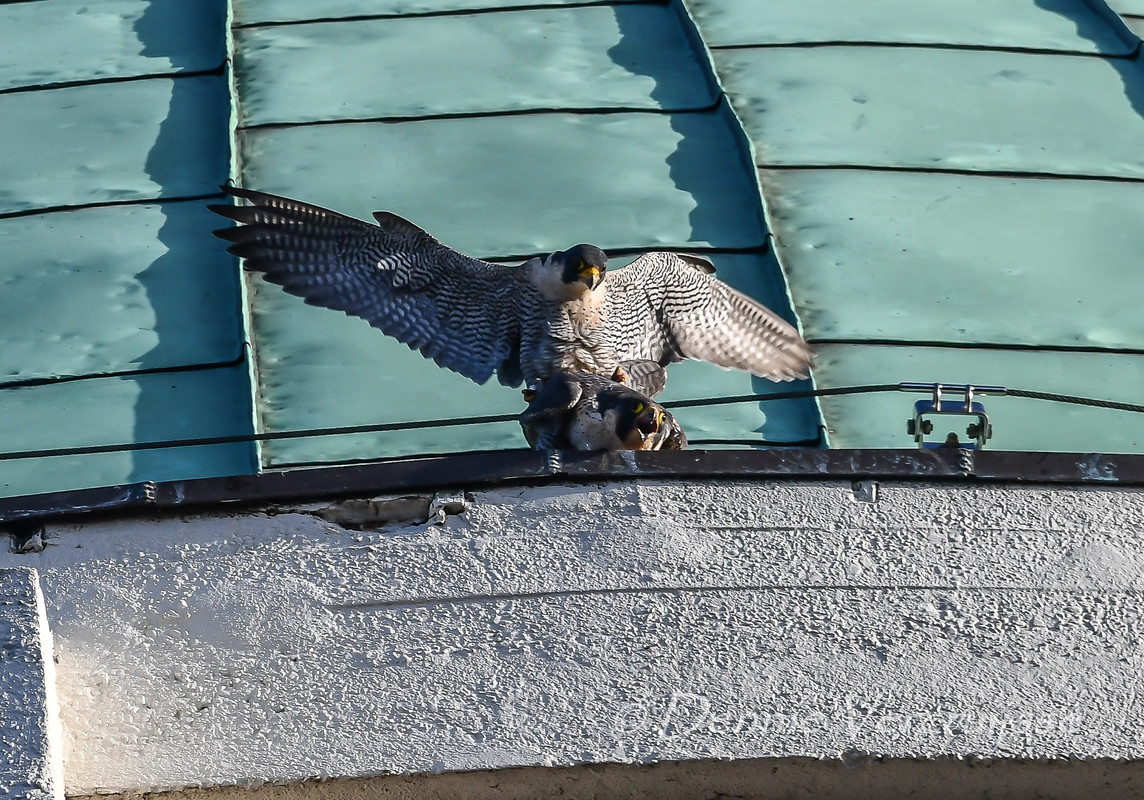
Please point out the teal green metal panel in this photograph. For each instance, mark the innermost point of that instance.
(116, 288)
(96, 277)
(626, 57)
(323, 369)
(1018, 424)
(78, 40)
(1021, 24)
(1128, 7)
(114, 142)
(509, 185)
(140, 408)
(255, 12)
(930, 257)
(1136, 25)
(928, 108)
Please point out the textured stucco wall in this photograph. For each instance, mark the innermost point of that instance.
(30, 764)
(630, 622)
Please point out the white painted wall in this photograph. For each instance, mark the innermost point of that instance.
(630, 622)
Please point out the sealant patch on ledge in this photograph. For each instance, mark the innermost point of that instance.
(362, 514)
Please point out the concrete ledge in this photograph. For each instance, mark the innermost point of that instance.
(631, 622)
(30, 765)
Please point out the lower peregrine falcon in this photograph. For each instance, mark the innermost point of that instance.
(584, 411)
(562, 312)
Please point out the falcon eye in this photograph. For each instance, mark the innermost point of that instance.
(638, 408)
(661, 418)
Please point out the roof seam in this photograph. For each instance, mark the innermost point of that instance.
(467, 12)
(1127, 56)
(1031, 175)
(1057, 348)
(515, 112)
(126, 373)
(47, 87)
(143, 201)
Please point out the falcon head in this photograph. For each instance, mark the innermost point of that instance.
(639, 423)
(584, 263)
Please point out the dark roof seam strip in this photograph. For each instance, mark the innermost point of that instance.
(47, 87)
(462, 12)
(1129, 56)
(515, 112)
(1000, 173)
(27, 383)
(1056, 348)
(614, 252)
(30, 212)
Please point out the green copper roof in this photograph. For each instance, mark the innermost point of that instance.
(114, 142)
(947, 192)
(982, 192)
(618, 180)
(1017, 24)
(931, 108)
(932, 257)
(154, 407)
(122, 322)
(1018, 424)
(258, 12)
(116, 288)
(77, 40)
(549, 58)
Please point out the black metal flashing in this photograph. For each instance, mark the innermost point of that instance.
(475, 470)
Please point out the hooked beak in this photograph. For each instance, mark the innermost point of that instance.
(591, 276)
(650, 421)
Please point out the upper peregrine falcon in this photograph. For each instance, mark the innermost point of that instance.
(563, 312)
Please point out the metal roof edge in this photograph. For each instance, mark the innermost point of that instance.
(472, 470)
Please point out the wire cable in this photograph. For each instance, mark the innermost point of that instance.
(383, 427)
(1080, 401)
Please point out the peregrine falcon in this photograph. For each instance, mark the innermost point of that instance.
(561, 312)
(584, 411)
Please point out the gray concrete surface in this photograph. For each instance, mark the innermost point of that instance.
(627, 623)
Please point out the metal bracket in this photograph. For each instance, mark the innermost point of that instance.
(921, 424)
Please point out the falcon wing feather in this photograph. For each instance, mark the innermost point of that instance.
(459, 311)
(665, 308)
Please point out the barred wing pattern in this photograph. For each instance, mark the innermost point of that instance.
(666, 308)
(462, 312)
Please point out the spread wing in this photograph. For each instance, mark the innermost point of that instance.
(666, 308)
(459, 311)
